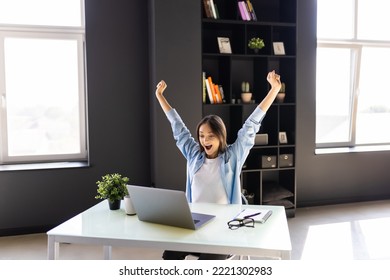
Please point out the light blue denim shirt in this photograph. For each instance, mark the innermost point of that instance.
(233, 158)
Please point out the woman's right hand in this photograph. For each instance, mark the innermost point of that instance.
(161, 86)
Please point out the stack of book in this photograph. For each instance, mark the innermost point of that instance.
(246, 10)
(212, 91)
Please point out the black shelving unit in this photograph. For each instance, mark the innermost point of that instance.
(276, 22)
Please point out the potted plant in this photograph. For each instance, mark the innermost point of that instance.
(256, 44)
(281, 94)
(113, 188)
(246, 95)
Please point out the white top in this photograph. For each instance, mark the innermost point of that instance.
(207, 184)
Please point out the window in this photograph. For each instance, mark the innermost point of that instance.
(353, 51)
(42, 114)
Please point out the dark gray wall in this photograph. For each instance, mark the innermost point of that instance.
(118, 113)
(176, 58)
(325, 179)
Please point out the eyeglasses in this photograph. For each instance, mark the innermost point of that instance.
(237, 223)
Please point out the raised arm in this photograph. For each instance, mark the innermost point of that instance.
(161, 86)
(182, 135)
(274, 80)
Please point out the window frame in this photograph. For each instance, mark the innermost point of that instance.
(357, 46)
(56, 33)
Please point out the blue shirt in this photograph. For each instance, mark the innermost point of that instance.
(233, 158)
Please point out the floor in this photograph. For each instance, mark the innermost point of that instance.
(354, 231)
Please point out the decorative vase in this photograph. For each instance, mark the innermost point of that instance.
(256, 51)
(246, 97)
(114, 205)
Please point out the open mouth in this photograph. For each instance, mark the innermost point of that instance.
(208, 147)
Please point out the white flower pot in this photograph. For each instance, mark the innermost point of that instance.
(129, 207)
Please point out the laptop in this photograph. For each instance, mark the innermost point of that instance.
(164, 206)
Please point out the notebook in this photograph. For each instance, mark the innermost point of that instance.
(258, 215)
(167, 207)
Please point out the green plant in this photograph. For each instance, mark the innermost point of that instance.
(245, 87)
(112, 187)
(256, 43)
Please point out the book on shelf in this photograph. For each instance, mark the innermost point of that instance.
(222, 93)
(207, 8)
(204, 90)
(211, 9)
(251, 10)
(216, 11)
(212, 91)
(247, 11)
(243, 11)
(218, 95)
(209, 92)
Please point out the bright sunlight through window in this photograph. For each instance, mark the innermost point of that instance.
(41, 109)
(336, 241)
(42, 12)
(353, 51)
(42, 116)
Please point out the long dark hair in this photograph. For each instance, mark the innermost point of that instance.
(218, 128)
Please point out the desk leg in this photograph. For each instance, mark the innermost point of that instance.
(107, 252)
(53, 248)
(286, 255)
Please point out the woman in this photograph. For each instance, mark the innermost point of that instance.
(213, 166)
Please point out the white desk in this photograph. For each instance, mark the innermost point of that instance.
(101, 226)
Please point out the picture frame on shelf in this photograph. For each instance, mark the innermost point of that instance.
(279, 48)
(283, 137)
(224, 45)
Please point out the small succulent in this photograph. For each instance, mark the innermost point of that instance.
(283, 88)
(256, 43)
(245, 87)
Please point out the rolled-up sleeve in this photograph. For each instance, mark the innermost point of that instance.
(184, 140)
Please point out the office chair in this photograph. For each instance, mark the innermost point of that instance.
(231, 256)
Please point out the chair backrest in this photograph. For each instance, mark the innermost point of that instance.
(243, 199)
(231, 256)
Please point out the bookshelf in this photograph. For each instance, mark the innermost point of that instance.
(276, 22)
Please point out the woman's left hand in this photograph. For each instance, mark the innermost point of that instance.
(274, 81)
